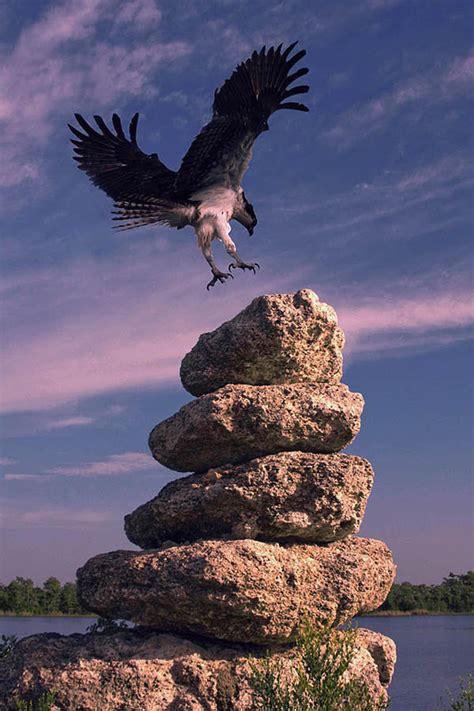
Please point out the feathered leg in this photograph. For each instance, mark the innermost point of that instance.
(223, 230)
(205, 230)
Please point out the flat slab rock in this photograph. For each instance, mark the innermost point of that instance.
(240, 591)
(292, 495)
(140, 670)
(241, 422)
(278, 338)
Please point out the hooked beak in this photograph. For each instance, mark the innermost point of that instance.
(250, 229)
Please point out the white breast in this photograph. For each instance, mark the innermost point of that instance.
(215, 200)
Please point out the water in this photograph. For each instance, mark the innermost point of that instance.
(433, 652)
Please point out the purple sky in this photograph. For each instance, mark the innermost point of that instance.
(366, 200)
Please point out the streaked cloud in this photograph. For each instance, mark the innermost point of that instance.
(114, 465)
(410, 204)
(62, 61)
(422, 90)
(379, 325)
(108, 326)
(15, 517)
(78, 421)
(7, 461)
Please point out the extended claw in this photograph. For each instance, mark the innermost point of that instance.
(244, 266)
(218, 277)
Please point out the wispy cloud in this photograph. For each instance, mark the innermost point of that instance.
(14, 517)
(114, 465)
(7, 461)
(108, 326)
(410, 204)
(119, 335)
(382, 324)
(423, 90)
(78, 421)
(61, 61)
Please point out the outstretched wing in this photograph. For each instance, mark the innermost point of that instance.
(242, 106)
(116, 164)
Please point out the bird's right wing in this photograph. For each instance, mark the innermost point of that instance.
(220, 153)
(116, 164)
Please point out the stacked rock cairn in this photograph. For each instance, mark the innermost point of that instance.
(261, 537)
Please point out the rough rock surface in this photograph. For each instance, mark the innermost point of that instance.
(139, 670)
(292, 495)
(383, 651)
(278, 338)
(241, 422)
(241, 591)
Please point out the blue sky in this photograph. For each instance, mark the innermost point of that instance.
(366, 200)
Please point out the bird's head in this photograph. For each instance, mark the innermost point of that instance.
(244, 212)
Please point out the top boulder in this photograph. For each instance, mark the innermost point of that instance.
(278, 338)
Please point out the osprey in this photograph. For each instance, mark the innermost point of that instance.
(206, 191)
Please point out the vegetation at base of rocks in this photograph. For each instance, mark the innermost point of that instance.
(104, 625)
(454, 594)
(43, 703)
(7, 642)
(322, 659)
(21, 596)
(464, 700)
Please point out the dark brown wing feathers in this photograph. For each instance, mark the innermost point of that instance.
(218, 155)
(116, 164)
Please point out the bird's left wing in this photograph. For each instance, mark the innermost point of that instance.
(116, 164)
(242, 106)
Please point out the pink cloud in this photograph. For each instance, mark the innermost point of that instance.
(112, 324)
(139, 12)
(59, 65)
(418, 314)
(125, 322)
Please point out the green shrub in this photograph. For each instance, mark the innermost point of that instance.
(43, 703)
(104, 625)
(7, 642)
(321, 659)
(464, 701)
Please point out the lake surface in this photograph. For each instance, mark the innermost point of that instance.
(433, 652)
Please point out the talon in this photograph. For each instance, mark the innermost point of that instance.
(244, 266)
(218, 277)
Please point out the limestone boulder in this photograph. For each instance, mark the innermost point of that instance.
(241, 422)
(382, 650)
(140, 670)
(278, 338)
(292, 495)
(240, 591)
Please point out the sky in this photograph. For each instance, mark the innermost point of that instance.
(366, 200)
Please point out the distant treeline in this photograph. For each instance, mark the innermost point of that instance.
(21, 596)
(454, 594)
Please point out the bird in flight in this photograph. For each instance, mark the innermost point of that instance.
(206, 191)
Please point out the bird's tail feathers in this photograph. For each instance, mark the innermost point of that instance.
(138, 213)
